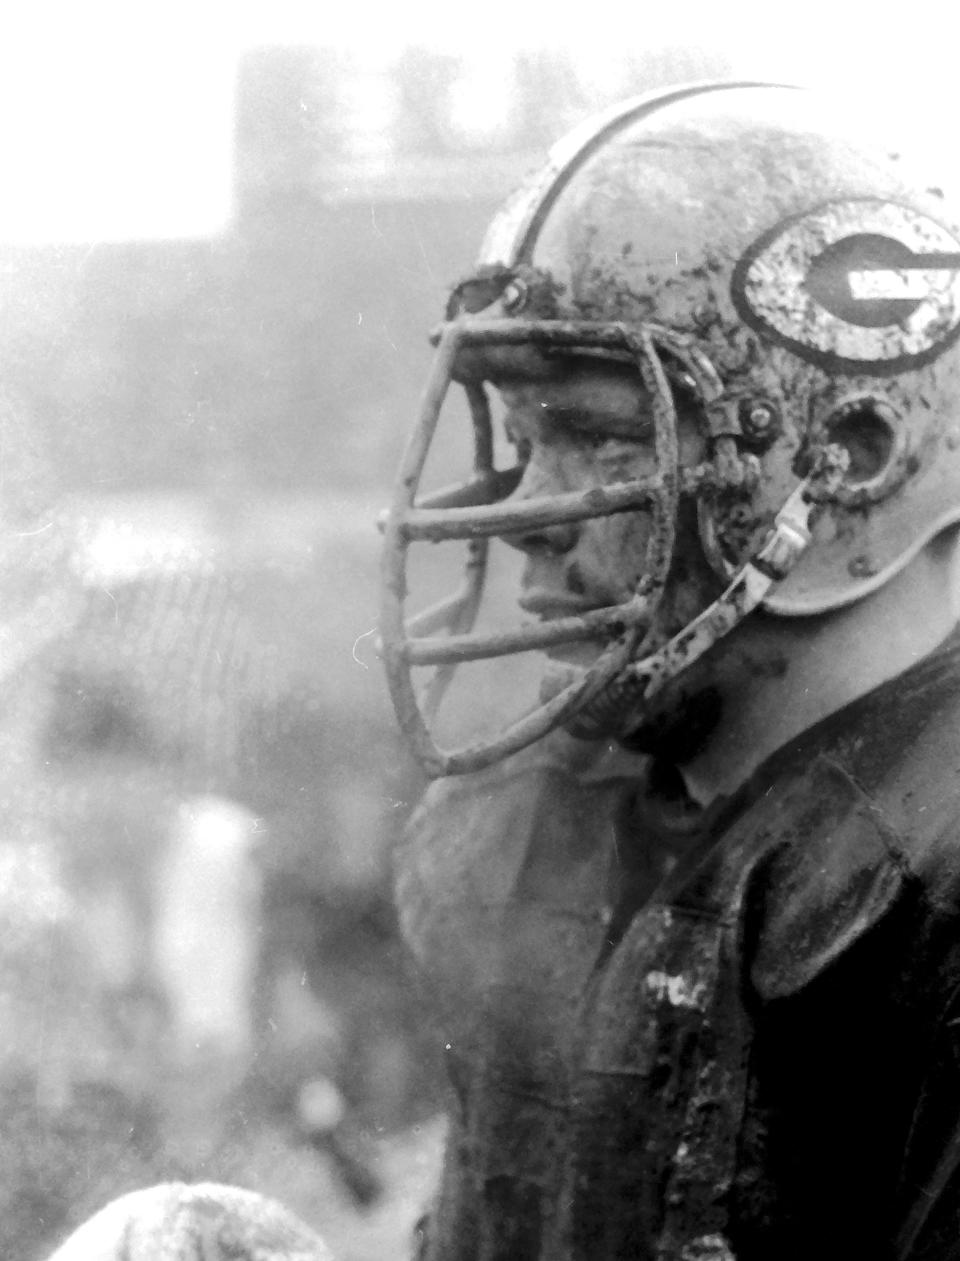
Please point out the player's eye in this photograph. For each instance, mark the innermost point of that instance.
(598, 429)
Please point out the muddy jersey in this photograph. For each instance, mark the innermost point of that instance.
(749, 1051)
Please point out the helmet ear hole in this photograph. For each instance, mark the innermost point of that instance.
(871, 433)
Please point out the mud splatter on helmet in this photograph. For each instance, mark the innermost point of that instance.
(803, 287)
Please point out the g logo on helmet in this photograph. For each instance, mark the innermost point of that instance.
(863, 285)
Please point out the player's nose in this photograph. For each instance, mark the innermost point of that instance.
(553, 538)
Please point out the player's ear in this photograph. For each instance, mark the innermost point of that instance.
(870, 431)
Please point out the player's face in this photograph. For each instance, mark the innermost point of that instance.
(591, 426)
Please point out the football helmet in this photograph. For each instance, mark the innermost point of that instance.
(801, 285)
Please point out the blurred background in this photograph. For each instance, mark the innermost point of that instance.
(224, 235)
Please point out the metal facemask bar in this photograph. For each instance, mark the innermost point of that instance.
(478, 510)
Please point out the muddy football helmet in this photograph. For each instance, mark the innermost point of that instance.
(801, 285)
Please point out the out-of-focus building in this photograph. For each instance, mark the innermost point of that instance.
(201, 431)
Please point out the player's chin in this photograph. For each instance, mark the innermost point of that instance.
(566, 663)
(565, 667)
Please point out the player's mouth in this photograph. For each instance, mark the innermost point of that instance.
(550, 606)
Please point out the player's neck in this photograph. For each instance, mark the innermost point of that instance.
(780, 676)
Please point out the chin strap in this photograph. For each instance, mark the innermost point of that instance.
(787, 541)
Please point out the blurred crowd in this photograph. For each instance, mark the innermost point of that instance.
(199, 967)
(200, 974)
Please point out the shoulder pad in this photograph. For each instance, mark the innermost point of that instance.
(837, 872)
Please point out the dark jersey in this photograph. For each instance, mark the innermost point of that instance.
(736, 1038)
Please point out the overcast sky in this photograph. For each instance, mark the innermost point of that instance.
(115, 119)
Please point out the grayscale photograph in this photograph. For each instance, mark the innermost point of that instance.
(479, 596)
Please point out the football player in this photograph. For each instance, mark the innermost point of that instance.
(692, 920)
